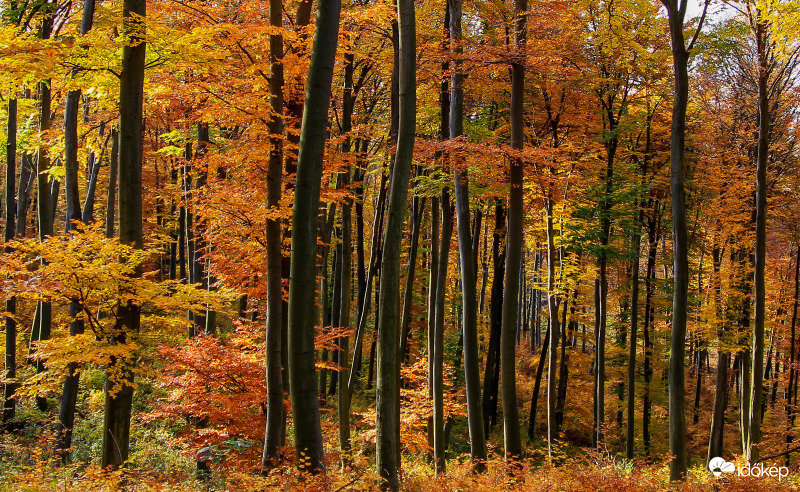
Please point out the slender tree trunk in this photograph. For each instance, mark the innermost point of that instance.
(537, 383)
(45, 200)
(388, 387)
(677, 390)
(652, 236)
(552, 305)
(439, 438)
(417, 210)
(9, 403)
(343, 395)
(791, 412)
(491, 381)
(510, 317)
(309, 447)
(113, 169)
(276, 422)
(468, 278)
(116, 425)
(69, 396)
(631, 402)
(762, 49)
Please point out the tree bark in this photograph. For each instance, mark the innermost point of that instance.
(276, 422)
(677, 390)
(468, 278)
(762, 159)
(302, 285)
(510, 318)
(388, 377)
(117, 421)
(439, 438)
(9, 403)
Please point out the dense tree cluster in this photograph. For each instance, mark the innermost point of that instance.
(389, 234)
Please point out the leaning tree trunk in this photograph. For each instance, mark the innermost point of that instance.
(388, 377)
(309, 448)
(119, 379)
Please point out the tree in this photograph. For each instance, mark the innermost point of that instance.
(465, 249)
(119, 393)
(302, 285)
(511, 430)
(275, 346)
(388, 390)
(676, 11)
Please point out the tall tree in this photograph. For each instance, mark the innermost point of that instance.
(9, 403)
(466, 254)
(119, 380)
(511, 430)
(302, 284)
(69, 396)
(676, 11)
(388, 387)
(276, 423)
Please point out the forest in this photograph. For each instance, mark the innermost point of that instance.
(394, 245)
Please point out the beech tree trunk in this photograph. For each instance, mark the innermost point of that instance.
(677, 390)
(510, 318)
(762, 160)
(439, 438)
(276, 422)
(117, 421)
(309, 448)
(388, 377)
(9, 403)
(491, 381)
(466, 254)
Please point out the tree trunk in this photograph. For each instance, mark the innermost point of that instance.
(677, 390)
(538, 383)
(9, 403)
(491, 381)
(388, 377)
(439, 438)
(309, 447)
(762, 49)
(510, 317)
(343, 321)
(276, 422)
(417, 210)
(468, 278)
(113, 169)
(116, 425)
(791, 412)
(552, 361)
